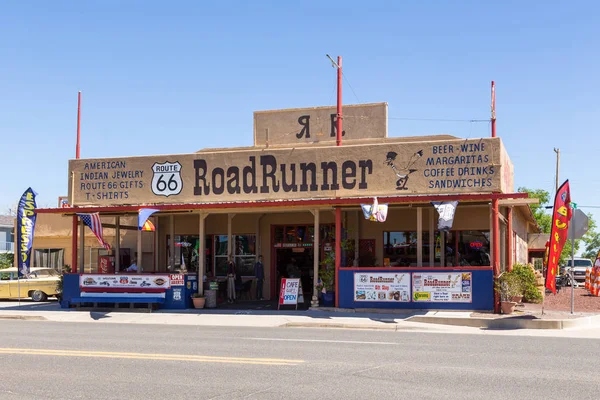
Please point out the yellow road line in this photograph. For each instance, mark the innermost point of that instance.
(146, 356)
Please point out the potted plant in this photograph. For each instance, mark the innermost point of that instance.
(327, 286)
(510, 287)
(198, 300)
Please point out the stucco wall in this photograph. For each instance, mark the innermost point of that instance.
(53, 231)
(521, 233)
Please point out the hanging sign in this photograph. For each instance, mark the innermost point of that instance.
(446, 212)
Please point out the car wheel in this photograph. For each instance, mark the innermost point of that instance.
(38, 296)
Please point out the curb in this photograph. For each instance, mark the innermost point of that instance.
(24, 317)
(391, 327)
(510, 323)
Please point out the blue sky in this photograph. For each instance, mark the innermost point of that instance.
(175, 77)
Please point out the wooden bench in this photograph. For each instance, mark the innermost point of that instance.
(96, 298)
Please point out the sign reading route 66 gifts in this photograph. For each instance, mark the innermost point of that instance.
(125, 281)
(443, 287)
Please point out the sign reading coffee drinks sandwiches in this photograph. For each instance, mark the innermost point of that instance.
(389, 168)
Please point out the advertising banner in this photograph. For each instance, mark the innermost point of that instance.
(25, 226)
(382, 286)
(133, 281)
(561, 216)
(443, 287)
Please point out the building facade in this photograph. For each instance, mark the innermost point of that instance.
(294, 197)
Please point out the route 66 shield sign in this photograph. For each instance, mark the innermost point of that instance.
(166, 179)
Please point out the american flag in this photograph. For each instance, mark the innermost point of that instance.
(93, 222)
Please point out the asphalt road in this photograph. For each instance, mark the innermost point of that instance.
(46, 360)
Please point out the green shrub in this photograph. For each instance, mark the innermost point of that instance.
(530, 292)
(509, 285)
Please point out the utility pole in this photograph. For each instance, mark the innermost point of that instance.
(338, 65)
(493, 109)
(78, 143)
(557, 151)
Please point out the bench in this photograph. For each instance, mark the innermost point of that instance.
(96, 298)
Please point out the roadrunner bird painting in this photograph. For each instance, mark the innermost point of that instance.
(403, 171)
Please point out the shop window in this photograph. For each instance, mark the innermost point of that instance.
(301, 235)
(400, 248)
(366, 253)
(49, 258)
(244, 254)
(187, 252)
(473, 248)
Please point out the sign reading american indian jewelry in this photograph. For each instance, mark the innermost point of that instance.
(393, 167)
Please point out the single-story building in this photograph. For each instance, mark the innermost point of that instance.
(294, 197)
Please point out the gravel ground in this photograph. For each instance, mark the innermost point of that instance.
(555, 306)
(561, 301)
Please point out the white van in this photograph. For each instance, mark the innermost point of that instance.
(581, 265)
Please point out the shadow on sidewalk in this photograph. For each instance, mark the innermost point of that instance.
(250, 308)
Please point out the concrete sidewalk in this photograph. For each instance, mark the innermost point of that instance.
(314, 318)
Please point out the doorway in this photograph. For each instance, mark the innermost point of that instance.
(296, 263)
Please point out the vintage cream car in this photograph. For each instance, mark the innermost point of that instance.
(41, 284)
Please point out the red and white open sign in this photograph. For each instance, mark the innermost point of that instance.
(290, 288)
(176, 279)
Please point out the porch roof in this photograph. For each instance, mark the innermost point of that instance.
(304, 203)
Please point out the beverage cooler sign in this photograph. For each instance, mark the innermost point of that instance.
(125, 281)
(452, 287)
(384, 286)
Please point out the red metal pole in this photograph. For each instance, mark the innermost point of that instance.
(338, 252)
(339, 102)
(77, 154)
(493, 109)
(509, 239)
(77, 148)
(74, 246)
(495, 252)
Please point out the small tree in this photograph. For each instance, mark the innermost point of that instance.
(6, 260)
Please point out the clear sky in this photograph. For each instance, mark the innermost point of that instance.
(175, 77)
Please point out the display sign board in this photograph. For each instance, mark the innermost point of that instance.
(291, 290)
(443, 287)
(382, 286)
(124, 281)
(319, 124)
(381, 169)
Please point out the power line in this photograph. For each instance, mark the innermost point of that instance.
(351, 88)
(421, 119)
